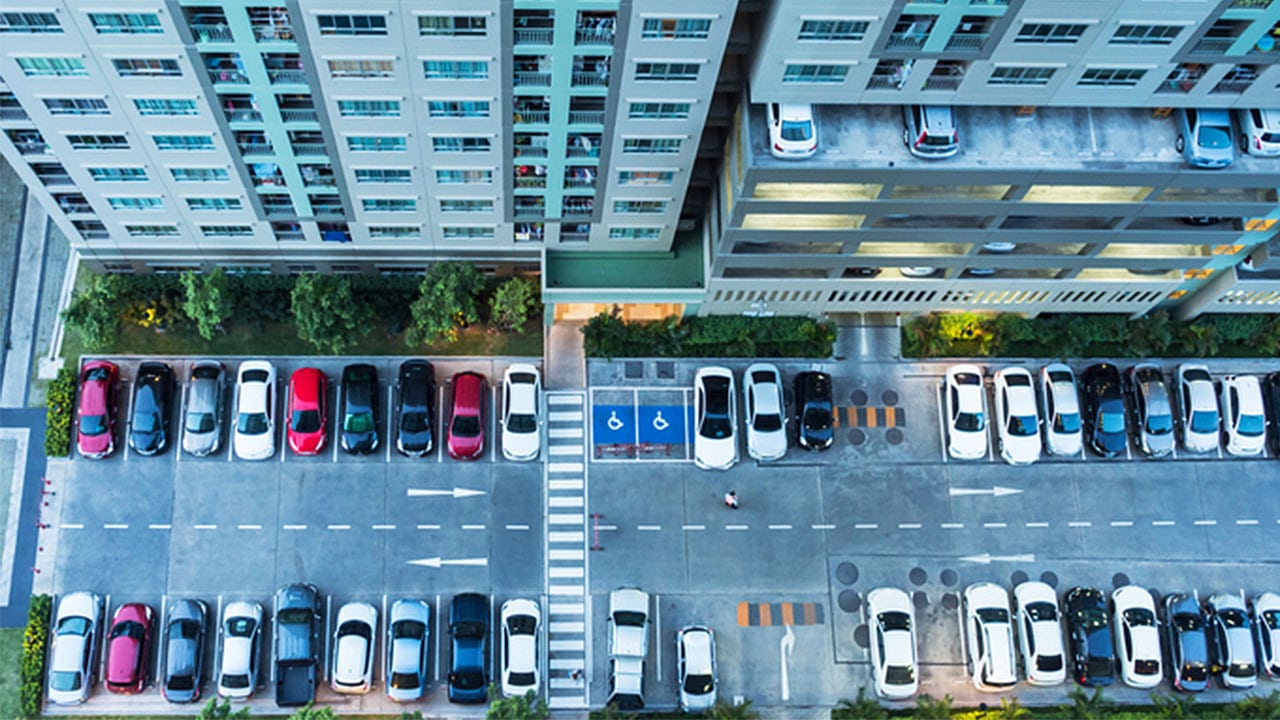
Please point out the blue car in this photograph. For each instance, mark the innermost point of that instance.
(1104, 410)
(469, 628)
(1092, 651)
(1188, 644)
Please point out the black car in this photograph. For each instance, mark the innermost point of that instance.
(1271, 399)
(359, 409)
(416, 408)
(1187, 643)
(814, 408)
(1104, 411)
(149, 411)
(1092, 653)
(184, 636)
(469, 627)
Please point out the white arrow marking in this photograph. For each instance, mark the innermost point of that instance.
(784, 654)
(455, 493)
(988, 558)
(997, 491)
(436, 562)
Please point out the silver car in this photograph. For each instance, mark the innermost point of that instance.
(202, 426)
(73, 657)
(408, 641)
(1153, 416)
(1205, 138)
(1197, 408)
(184, 634)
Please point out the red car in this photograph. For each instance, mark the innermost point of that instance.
(307, 412)
(97, 430)
(466, 416)
(129, 649)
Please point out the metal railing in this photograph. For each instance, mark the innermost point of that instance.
(273, 33)
(243, 115)
(309, 149)
(1213, 46)
(212, 33)
(586, 117)
(530, 183)
(228, 77)
(943, 82)
(591, 36)
(574, 236)
(287, 77)
(534, 36)
(967, 41)
(532, 117)
(529, 211)
(290, 235)
(32, 148)
(534, 152)
(55, 180)
(525, 79)
(299, 115)
(590, 79)
(579, 183)
(255, 149)
(912, 40)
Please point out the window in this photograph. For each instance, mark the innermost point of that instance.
(455, 69)
(29, 22)
(464, 177)
(833, 29)
(184, 142)
(383, 175)
(77, 106)
(117, 174)
(165, 106)
(361, 68)
(467, 232)
(126, 23)
(467, 206)
(98, 142)
(395, 232)
(369, 108)
(375, 143)
(1021, 76)
(226, 230)
(352, 24)
(197, 174)
(136, 203)
(151, 230)
(651, 146)
(646, 177)
(641, 207)
(676, 28)
(213, 203)
(458, 108)
(52, 66)
(461, 144)
(666, 71)
(1050, 33)
(1145, 34)
(815, 73)
(1111, 77)
(452, 25)
(147, 67)
(389, 204)
(659, 110)
(634, 233)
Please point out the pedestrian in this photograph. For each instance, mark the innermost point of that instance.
(731, 499)
(576, 674)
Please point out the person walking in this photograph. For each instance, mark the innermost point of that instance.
(731, 499)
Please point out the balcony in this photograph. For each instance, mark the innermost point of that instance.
(593, 36)
(595, 28)
(74, 204)
(574, 236)
(1183, 79)
(246, 115)
(288, 231)
(271, 24)
(531, 79)
(583, 146)
(578, 208)
(228, 77)
(905, 41)
(13, 113)
(534, 36)
(323, 210)
(530, 207)
(281, 210)
(1239, 79)
(534, 27)
(317, 176)
(255, 149)
(215, 33)
(586, 117)
(287, 77)
(293, 116)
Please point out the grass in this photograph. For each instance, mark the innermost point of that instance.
(10, 662)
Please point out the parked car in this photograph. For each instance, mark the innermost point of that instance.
(1266, 628)
(1197, 408)
(1092, 653)
(1188, 645)
(96, 429)
(465, 439)
(1259, 131)
(1152, 412)
(919, 271)
(628, 644)
(149, 410)
(1017, 420)
(696, 668)
(184, 638)
(1040, 633)
(202, 428)
(966, 407)
(307, 416)
(1137, 637)
(469, 628)
(255, 411)
(715, 443)
(1205, 137)
(407, 647)
(353, 641)
(988, 637)
(73, 653)
(129, 649)
(766, 409)
(1061, 405)
(521, 413)
(360, 409)
(814, 410)
(930, 131)
(297, 638)
(793, 134)
(520, 619)
(240, 634)
(1104, 411)
(416, 408)
(1271, 400)
(894, 667)
(1244, 422)
(1231, 636)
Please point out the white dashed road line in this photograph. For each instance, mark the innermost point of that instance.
(339, 527)
(1206, 522)
(694, 527)
(1037, 524)
(1162, 523)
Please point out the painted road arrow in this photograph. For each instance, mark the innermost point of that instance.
(436, 562)
(996, 491)
(988, 558)
(456, 492)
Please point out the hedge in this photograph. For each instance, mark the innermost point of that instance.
(60, 400)
(34, 641)
(608, 336)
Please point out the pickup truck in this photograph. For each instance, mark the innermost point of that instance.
(628, 647)
(297, 641)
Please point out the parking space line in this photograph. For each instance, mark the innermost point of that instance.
(649, 528)
(866, 526)
(953, 526)
(823, 527)
(178, 425)
(779, 527)
(126, 399)
(942, 420)
(735, 527)
(1079, 524)
(1206, 522)
(339, 527)
(693, 527)
(428, 527)
(164, 647)
(1162, 523)
(517, 527)
(390, 413)
(909, 526)
(295, 527)
(204, 527)
(1036, 524)
(493, 422)
(435, 616)
(440, 431)
(994, 525)
(159, 526)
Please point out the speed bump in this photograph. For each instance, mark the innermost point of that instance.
(783, 613)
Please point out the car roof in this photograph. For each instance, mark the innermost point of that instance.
(697, 649)
(469, 607)
(306, 384)
(235, 655)
(1034, 591)
(1213, 116)
(629, 599)
(1132, 596)
(796, 112)
(523, 399)
(467, 387)
(1250, 393)
(938, 118)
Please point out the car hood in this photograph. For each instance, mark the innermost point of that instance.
(95, 444)
(146, 442)
(520, 444)
(769, 444)
(411, 442)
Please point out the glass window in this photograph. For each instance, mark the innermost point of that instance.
(226, 230)
(369, 108)
(651, 146)
(455, 69)
(126, 23)
(1145, 34)
(147, 67)
(458, 108)
(389, 204)
(117, 174)
(361, 68)
(646, 177)
(151, 230)
(196, 174)
(383, 175)
(136, 203)
(452, 25)
(468, 232)
(401, 232)
(77, 106)
(634, 233)
(1111, 77)
(816, 192)
(165, 106)
(1050, 33)
(98, 142)
(52, 66)
(815, 73)
(184, 142)
(464, 177)
(642, 207)
(352, 24)
(676, 28)
(659, 110)
(375, 143)
(461, 144)
(1086, 193)
(666, 71)
(29, 22)
(466, 205)
(213, 203)
(833, 29)
(1021, 75)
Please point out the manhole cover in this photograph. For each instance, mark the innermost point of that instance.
(918, 576)
(889, 397)
(1049, 578)
(849, 600)
(862, 636)
(859, 397)
(894, 436)
(847, 573)
(1018, 577)
(857, 437)
(1119, 580)
(920, 599)
(633, 370)
(950, 601)
(949, 577)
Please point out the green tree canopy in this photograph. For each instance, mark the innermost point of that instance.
(213, 710)
(527, 707)
(513, 302)
(326, 312)
(207, 300)
(94, 311)
(446, 302)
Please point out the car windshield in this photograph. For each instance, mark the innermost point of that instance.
(410, 629)
(305, 421)
(1099, 666)
(1049, 663)
(241, 627)
(1251, 425)
(99, 373)
(1195, 672)
(1271, 618)
(1233, 618)
(358, 422)
(698, 684)
(129, 629)
(1146, 667)
(1041, 612)
(146, 422)
(899, 675)
(1139, 616)
(1067, 423)
(1204, 422)
(1111, 422)
(1241, 670)
(354, 627)
(1159, 424)
(181, 682)
(466, 425)
(768, 423)
(1092, 618)
(894, 620)
(1023, 425)
(1187, 622)
(1214, 138)
(521, 679)
(404, 681)
(65, 681)
(234, 681)
(627, 618)
(199, 422)
(467, 679)
(796, 131)
(993, 615)
(414, 421)
(93, 424)
(816, 418)
(73, 626)
(522, 624)
(184, 630)
(716, 427)
(251, 423)
(521, 424)
(970, 422)
(293, 616)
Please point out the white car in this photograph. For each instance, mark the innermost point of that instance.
(1197, 408)
(1137, 637)
(1040, 633)
(987, 634)
(1017, 420)
(891, 618)
(407, 647)
(521, 413)
(766, 412)
(793, 134)
(255, 433)
(73, 656)
(240, 634)
(919, 271)
(520, 619)
(1060, 404)
(1244, 423)
(1266, 630)
(696, 668)
(715, 411)
(966, 408)
(353, 641)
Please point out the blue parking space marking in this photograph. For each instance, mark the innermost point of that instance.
(662, 424)
(613, 424)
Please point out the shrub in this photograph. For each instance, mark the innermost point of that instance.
(608, 336)
(446, 303)
(34, 641)
(60, 400)
(94, 313)
(207, 300)
(513, 302)
(326, 313)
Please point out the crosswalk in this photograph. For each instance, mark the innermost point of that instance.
(566, 547)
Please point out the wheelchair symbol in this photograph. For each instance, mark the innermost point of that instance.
(613, 422)
(659, 423)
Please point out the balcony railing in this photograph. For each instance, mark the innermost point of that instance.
(531, 183)
(322, 181)
(32, 148)
(299, 116)
(228, 77)
(589, 79)
(1213, 46)
(326, 211)
(309, 149)
(577, 212)
(529, 211)
(532, 117)
(574, 236)
(212, 33)
(273, 33)
(913, 41)
(76, 208)
(586, 117)
(287, 77)
(943, 82)
(255, 149)
(579, 184)
(243, 115)
(884, 82)
(580, 152)
(1232, 86)
(967, 41)
(268, 181)
(278, 210)
(290, 235)
(534, 36)
(56, 180)
(593, 36)
(526, 79)
(1251, 4)
(531, 152)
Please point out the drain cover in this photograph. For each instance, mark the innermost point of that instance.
(1119, 580)
(1049, 578)
(920, 599)
(950, 601)
(862, 636)
(849, 600)
(889, 397)
(918, 576)
(859, 397)
(857, 437)
(633, 370)
(950, 577)
(1018, 577)
(847, 573)
(894, 436)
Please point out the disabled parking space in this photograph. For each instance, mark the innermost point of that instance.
(642, 423)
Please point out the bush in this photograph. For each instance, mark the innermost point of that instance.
(94, 311)
(513, 302)
(34, 641)
(608, 336)
(207, 300)
(60, 401)
(446, 303)
(326, 312)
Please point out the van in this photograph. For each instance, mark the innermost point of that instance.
(930, 131)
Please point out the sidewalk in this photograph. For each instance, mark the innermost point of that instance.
(23, 312)
(868, 343)
(565, 365)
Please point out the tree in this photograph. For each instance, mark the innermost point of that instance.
(309, 712)
(527, 707)
(1171, 706)
(861, 708)
(1010, 709)
(1086, 706)
(723, 710)
(513, 302)
(930, 708)
(94, 312)
(326, 313)
(1258, 707)
(207, 300)
(212, 710)
(446, 302)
